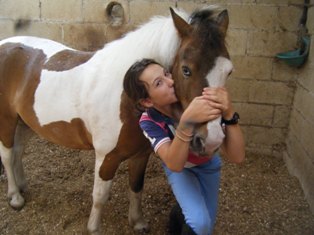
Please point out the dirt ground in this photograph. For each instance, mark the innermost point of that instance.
(257, 197)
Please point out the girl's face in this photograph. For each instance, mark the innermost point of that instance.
(159, 85)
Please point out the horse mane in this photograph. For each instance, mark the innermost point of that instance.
(156, 39)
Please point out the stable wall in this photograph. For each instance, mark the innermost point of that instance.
(299, 154)
(273, 99)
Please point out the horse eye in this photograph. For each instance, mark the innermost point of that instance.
(186, 71)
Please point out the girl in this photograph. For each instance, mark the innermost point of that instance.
(194, 180)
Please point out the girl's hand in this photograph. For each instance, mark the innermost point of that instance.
(200, 110)
(219, 98)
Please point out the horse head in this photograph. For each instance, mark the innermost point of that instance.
(202, 60)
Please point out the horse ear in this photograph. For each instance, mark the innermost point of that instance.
(181, 25)
(223, 21)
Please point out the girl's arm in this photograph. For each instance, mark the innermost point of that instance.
(233, 146)
(175, 153)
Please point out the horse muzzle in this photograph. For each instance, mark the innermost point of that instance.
(198, 144)
(208, 138)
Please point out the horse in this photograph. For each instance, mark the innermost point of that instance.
(75, 98)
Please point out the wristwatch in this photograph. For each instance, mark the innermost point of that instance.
(234, 120)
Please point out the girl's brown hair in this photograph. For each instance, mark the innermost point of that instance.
(132, 85)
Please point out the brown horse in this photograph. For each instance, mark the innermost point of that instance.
(75, 98)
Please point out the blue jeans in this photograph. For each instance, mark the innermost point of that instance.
(196, 190)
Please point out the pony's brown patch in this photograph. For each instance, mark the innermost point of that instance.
(20, 70)
(132, 145)
(73, 134)
(67, 59)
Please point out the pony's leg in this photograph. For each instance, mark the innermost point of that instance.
(7, 152)
(22, 134)
(137, 167)
(16, 199)
(101, 194)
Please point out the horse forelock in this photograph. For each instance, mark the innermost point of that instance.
(207, 12)
(210, 36)
(204, 22)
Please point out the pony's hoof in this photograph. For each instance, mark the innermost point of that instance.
(17, 202)
(92, 229)
(142, 227)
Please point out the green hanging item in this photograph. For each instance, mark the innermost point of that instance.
(296, 58)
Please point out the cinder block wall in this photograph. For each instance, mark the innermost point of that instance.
(273, 99)
(299, 154)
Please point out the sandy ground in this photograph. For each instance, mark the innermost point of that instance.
(257, 197)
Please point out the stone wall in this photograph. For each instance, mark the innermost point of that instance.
(299, 154)
(273, 99)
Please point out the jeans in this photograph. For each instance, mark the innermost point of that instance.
(196, 190)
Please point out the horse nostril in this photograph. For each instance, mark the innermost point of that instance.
(198, 144)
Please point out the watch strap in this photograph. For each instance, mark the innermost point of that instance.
(234, 120)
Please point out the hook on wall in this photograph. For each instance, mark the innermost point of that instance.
(115, 13)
